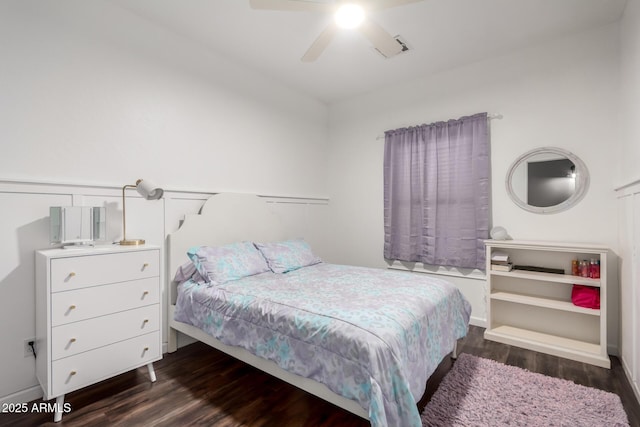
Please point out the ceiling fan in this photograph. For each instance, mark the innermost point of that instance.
(347, 14)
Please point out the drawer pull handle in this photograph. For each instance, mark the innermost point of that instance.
(145, 321)
(72, 340)
(145, 265)
(72, 307)
(145, 293)
(72, 274)
(72, 373)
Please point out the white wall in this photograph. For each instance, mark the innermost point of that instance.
(562, 94)
(94, 98)
(629, 150)
(629, 194)
(104, 97)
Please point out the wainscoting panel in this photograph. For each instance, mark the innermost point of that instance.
(629, 244)
(24, 228)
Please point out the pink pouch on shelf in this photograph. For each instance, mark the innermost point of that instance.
(585, 296)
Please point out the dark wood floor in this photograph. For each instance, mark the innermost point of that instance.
(198, 385)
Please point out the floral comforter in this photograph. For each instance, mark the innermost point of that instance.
(371, 335)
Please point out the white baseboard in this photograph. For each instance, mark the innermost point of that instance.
(23, 396)
(634, 386)
(478, 321)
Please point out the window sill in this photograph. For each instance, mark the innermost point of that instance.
(415, 267)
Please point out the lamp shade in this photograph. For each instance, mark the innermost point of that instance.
(148, 190)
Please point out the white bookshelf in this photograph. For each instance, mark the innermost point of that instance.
(533, 310)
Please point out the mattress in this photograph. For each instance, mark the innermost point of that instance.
(371, 335)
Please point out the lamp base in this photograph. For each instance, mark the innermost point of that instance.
(132, 242)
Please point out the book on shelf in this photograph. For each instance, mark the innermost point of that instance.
(501, 267)
(498, 256)
(540, 269)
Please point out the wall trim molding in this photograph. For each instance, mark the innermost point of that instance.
(477, 321)
(627, 185)
(10, 185)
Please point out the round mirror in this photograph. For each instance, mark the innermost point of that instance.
(547, 180)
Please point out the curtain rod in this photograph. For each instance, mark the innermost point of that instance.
(489, 116)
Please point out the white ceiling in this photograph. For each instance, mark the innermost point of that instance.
(442, 34)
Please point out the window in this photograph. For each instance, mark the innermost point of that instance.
(436, 193)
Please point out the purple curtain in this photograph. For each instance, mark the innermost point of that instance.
(436, 193)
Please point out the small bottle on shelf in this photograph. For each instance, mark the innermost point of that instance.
(584, 268)
(596, 269)
(575, 270)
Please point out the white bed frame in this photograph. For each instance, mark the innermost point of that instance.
(228, 218)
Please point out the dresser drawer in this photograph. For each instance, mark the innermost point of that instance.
(87, 303)
(78, 337)
(92, 270)
(86, 368)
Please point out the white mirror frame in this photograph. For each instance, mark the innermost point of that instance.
(582, 181)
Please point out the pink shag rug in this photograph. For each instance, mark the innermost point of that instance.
(482, 392)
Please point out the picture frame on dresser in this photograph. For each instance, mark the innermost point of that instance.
(97, 315)
(534, 309)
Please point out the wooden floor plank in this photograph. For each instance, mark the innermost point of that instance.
(198, 385)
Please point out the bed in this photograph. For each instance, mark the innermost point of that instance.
(363, 339)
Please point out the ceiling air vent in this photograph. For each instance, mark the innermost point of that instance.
(401, 42)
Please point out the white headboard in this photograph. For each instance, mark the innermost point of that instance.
(224, 218)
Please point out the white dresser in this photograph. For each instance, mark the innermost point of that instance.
(97, 315)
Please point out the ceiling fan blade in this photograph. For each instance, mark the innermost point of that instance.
(320, 44)
(291, 5)
(380, 39)
(385, 4)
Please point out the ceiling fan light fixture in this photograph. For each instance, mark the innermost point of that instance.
(349, 16)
